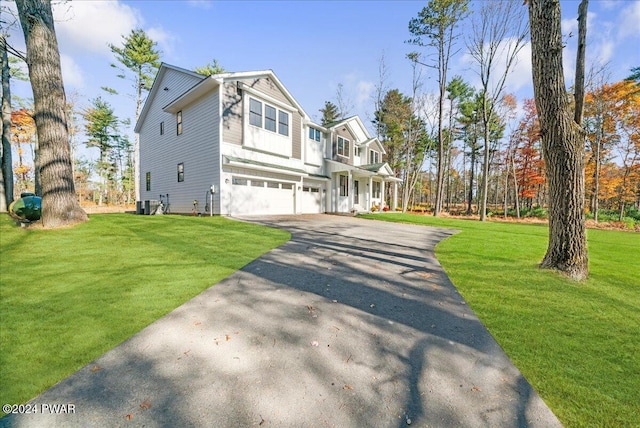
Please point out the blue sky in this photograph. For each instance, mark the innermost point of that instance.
(312, 46)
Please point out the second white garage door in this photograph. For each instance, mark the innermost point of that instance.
(311, 200)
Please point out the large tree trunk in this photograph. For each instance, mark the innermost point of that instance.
(59, 204)
(6, 177)
(562, 142)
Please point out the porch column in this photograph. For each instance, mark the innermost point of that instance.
(394, 202)
(369, 194)
(383, 199)
(349, 190)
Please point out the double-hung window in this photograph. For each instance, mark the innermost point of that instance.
(269, 118)
(343, 147)
(275, 120)
(283, 123)
(374, 157)
(255, 112)
(179, 123)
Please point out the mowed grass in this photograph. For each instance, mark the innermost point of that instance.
(67, 296)
(578, 344)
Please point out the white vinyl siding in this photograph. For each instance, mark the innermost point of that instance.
(197, 148)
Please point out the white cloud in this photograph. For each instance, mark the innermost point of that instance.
(71, 72)
(364, 89)
(519, 76)
(569, 26)
(89, 26)
(629, 19)
(164, 39)
(200, 4)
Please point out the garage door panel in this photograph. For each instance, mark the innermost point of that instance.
(259, 196)
(311, 200)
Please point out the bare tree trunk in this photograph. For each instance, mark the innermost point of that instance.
(59, 204)
(6, 178)
(563, 144)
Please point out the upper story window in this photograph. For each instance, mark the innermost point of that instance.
(148, 181)
(269, 118)
(314, 134)
(283, 123)
(356, 152)
(179, 122)
(161, 128)
(275, 120)
(374, 157)
(255, 112)
(343, 147)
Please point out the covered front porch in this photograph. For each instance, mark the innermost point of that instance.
(361, 189)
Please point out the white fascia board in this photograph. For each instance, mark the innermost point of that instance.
(198, 90)
(270, 74)
(364, 129)
(154, 89)
(315, 125)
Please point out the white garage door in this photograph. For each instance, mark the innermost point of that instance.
(311, 200)
(255, 196)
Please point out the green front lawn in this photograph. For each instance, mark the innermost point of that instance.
(578, 344)
(67, 296)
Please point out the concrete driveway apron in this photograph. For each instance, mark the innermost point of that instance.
(352, 323)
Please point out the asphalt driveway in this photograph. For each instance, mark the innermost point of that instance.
(352, 323)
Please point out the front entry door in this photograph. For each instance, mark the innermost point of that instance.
(356, 192)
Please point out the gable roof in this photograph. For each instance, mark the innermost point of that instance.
(206, 84)
(233, 76)
(155, 88)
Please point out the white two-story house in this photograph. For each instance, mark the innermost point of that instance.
(240, 144)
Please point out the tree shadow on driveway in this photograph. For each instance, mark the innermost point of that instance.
(351, 323)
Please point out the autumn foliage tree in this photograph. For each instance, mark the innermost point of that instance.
(527, 155)
(23, 131)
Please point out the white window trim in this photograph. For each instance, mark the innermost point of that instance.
(277, 121)
(338, 147)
